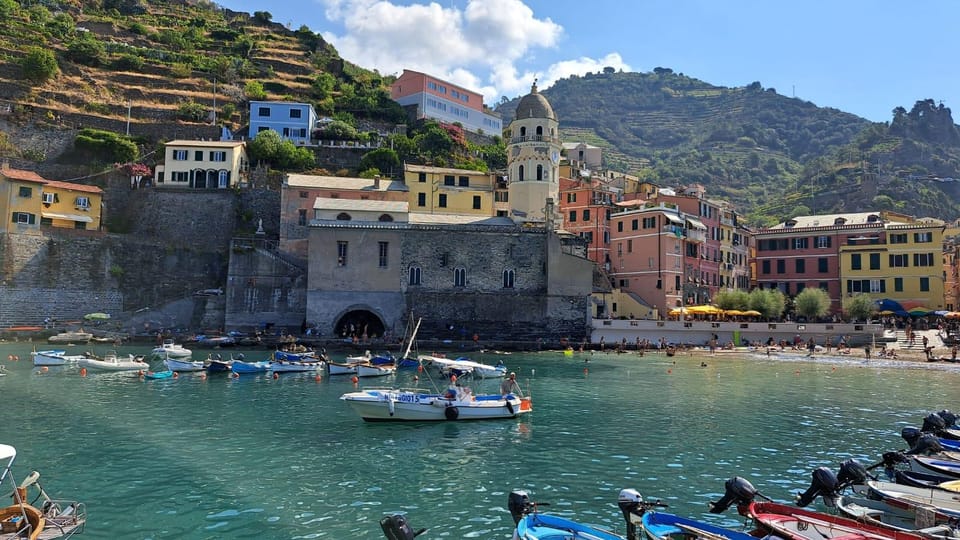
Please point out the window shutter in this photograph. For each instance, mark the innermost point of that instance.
(32, 219)
(14, 217)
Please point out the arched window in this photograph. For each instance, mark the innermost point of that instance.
(414, 275)
(523, 131)
(539, 172)
(343, 216)
(508, 279)
(520, 174)
(460, 277)
(386, 217)
(224, 180)
(539, 132)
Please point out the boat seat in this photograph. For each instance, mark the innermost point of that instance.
(858, 511)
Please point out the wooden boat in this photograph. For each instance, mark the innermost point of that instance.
(216, 364)
(169, 349)
(943, 503)
(35, 517)
(663, 526)
(54, 357)
(533, 525)
(113, 362)
(375, 370)
(174, 364)
(75, 336)
(296, 366)
(385, 405)
(153, 375)
(241, 367)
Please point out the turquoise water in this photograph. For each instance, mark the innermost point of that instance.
(255, 457)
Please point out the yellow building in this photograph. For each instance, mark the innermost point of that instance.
(439, 190)
(74, 206)
(203, 165)
(901, 260)
(20, 195)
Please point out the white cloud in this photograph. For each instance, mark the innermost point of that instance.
(478, 47)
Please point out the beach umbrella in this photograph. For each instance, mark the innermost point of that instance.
(733, 312)
(96, 316)
(886, 312)
(704, 310)
(919, 311)
(677, 311)
(751, 313)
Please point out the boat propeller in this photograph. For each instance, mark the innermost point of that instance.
(948, 417)
(925, 445)
(520, 505)
(934, 423)
(395, 527)
(633, 506)
(737, 491)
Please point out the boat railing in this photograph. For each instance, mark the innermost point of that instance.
(68, 517)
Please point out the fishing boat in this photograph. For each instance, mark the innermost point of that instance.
(306, 364)
(375, 370)
(464, 366)
(54, 357)
(73, 336)
(663, 526)
(242, 367)
(169, 349)
(793, 523)
(384, 405)
(113, 362)
(154, 375)
(349, 365)
(35, 516)
(216, 363)
(927, 480)
(175, 364)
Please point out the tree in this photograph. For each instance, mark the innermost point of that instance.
(281, 154)
(812, 303)
(265, 146)
(86, 50)
(859, 307)
(262, 17)
(338, 130)
(39, 65)
(769, 302)
(382, 159)
(732, 299)
(254, 91)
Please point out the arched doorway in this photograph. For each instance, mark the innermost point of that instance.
(357, 322)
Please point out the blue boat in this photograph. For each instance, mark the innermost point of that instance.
(532, 525)
(241, 367)
(661, 526)
(167, 374)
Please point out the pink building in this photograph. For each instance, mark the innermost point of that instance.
(444, 101)
(586, 206)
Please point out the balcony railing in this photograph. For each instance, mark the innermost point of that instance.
(534, 138)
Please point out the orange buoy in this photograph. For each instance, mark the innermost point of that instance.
(140, 373)
(318, 378)
(176, 374)
(586, 370)
(44, 369)
(420, 368)
(236, 375)
(83, 372)
(203, 376)
(276, 375)
(355, 379)
(669, 371)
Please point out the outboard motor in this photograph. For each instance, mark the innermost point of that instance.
(948, 417)
(395, 527)
(927, 444)
(824, 483)
(852, 472)
(737, 491)
(933, 423)
(519, 504)
(911, 435)
(631, 504)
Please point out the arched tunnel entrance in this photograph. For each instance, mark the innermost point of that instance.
(359, 323)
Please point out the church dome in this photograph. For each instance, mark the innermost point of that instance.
(534, 105)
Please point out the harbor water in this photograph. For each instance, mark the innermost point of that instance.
(201, 457)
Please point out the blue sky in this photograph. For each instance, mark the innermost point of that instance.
(859, 56)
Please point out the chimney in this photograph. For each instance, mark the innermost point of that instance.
(376, 182)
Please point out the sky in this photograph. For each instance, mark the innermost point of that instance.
(864, 57)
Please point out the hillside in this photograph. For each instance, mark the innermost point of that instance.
(752, 145)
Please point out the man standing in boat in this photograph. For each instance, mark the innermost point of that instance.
(509, 385)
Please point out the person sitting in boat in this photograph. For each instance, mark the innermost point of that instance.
(509, 385)
(451, 392)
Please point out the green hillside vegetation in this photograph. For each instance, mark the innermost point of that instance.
(773, 156)
(181, 62)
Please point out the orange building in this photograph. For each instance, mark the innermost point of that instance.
(444, 101)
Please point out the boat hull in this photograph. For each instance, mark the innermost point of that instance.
(183, 365)
(155, 375)
(295, 367)
(249, 367)
(381, 370)
(114, 364)
(547, 526)
(55, 358)
(380, 405)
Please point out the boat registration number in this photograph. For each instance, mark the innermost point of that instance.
(409, 398)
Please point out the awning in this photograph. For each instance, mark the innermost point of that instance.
(68, 217)
(696, 224)
(674, 219)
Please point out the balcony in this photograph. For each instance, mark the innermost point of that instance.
(535, 138)
(694, 235)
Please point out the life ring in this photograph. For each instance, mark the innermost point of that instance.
(510, 407)
(451, 413)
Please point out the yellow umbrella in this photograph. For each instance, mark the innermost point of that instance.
(752, 313)
(704, 310)
(733, 312)
(677, 311)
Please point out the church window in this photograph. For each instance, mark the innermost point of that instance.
(520, 175)
(539, 172)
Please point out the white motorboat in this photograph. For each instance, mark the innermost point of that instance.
(54, 357)
(384, 405)
(174, 364)
(350, 366)
(42, 518)
(113, 362)
(169, 349)
(74, 336)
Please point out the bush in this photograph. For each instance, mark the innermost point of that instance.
(39, 65)
(192, 111)
(86, 50)
(128, 62)
(8, 8)
(139, 29)
(253, 91)
(181, 71)
(61, 26)
(106, 146)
